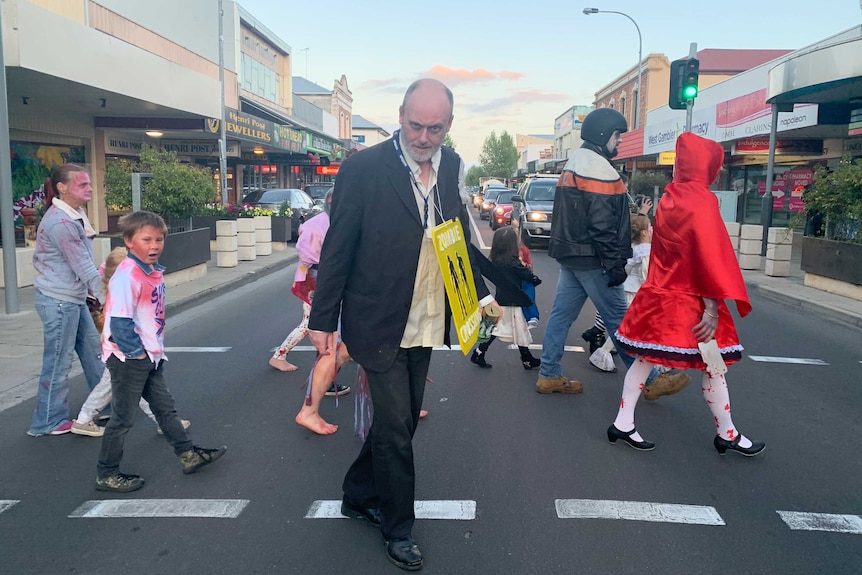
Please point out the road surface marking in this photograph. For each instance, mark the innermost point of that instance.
(575, 348)
(213, 508)
(477, 236)
(464, 510)
(7, 503)
(637, 511)
(196, 349)
(800, 360)
(800, 521)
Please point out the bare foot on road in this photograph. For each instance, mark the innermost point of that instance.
(282, 364)
(315, 423)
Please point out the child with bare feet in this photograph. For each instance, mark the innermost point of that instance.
(322, 377)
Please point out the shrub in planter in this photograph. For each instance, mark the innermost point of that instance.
(835, 197)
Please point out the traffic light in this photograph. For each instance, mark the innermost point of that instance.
(683, 82)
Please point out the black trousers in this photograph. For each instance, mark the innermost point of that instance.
(383, 475)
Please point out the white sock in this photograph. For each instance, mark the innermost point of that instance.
(634, 383)
(714, 389)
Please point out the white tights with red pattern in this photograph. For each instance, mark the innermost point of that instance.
(713, 387)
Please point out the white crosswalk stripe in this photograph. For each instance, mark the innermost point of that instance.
(5, 504)
(461, 510)
(801, 521)
(196, 349)
(211, 508)
(637, 511)
(797, 360)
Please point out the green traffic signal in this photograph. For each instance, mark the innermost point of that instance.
(689, 92)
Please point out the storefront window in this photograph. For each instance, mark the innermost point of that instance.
(258, 79)
(788, 184)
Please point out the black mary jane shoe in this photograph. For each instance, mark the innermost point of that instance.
(531, 363)
(479, 359)
(626, 436)
(722, 445)
(369, 514)
(404, 553)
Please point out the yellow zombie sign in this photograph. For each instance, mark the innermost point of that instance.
(458, 277)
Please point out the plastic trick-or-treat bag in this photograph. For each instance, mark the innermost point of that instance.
(486, 327)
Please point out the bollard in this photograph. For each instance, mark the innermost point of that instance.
(226, 244)
(750, 242)
(246, 244)
(779, 242)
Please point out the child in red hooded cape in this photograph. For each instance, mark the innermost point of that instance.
(693, 269)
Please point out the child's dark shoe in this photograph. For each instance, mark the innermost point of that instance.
(119, 482)
(479, 359)
(531, 363)
(197, 457)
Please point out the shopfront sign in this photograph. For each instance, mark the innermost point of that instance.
(853, 147)
(359, 138)
(750, 115)
(122, 145)
(319, 144)
(198, 148)
(789, 185)
(327, 170)
(666, 158)
(760, 146)
(243, 126)
(287, 138)
(662, 136)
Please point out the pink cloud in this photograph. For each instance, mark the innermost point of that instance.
(452, 76)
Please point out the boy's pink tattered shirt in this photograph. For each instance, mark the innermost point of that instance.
(134, 294)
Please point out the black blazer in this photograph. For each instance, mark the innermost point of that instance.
(369, 259)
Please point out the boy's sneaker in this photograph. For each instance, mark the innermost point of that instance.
(186, 424)
(533, 323)
(87, 428)
(59, 430)
(336, 389)
(197, 457)
(119, 482)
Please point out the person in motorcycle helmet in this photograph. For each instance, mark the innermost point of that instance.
(602, 131)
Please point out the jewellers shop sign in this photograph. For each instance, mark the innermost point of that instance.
(198, 148)
(243, 126)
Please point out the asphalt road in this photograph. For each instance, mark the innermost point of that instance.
(489, 439)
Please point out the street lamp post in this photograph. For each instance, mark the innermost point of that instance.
(589, 11)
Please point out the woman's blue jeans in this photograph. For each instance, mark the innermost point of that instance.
(68, 329)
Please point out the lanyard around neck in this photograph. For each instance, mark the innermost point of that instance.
(395, 142)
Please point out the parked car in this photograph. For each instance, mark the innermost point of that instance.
(251, 195)
(501, 214)
(488, 201)
(318, 190)
(532, 208)
(301, 205)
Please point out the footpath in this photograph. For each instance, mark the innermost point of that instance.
(21, 333)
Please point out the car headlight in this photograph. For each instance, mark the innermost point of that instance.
(537, 217)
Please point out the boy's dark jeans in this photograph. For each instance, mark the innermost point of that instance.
(131, 380)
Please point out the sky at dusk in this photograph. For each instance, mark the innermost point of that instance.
(516, 66)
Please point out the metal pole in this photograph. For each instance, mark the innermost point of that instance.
(689, 105)
(640, 65)
(10, 264)
(222, 145)
(766, 207)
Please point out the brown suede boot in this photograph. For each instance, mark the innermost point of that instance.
(558, 385)
(666, 384)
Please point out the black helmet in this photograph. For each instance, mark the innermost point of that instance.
(600, 124)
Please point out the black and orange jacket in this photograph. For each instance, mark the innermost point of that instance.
(591, 226)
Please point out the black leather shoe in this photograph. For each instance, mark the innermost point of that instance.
(369, 514)
(722, 445)
(626, 436)
(404, 553)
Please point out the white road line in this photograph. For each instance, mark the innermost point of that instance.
(7, 503)
(575, 348)
(476, 235)
(212, 508)
(463, 510)
(637, 511)
(196, 349)
(799, 360)
(800, 521)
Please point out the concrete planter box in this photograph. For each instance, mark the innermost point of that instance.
(281, 229)
(841, 261)
(200, 222)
